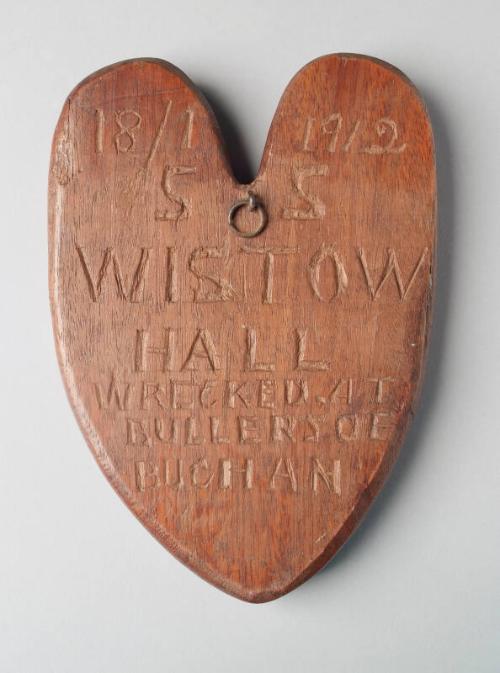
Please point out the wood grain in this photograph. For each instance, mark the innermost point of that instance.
(245, 396)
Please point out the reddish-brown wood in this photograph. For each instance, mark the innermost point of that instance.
(245, 396)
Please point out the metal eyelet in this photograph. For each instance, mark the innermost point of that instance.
(254, 203)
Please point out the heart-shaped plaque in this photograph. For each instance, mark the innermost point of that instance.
(243, 360)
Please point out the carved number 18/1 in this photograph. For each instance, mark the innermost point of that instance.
(129, 122)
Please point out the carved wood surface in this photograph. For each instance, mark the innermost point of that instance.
(245, 396)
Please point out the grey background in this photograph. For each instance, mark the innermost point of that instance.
(83, 587)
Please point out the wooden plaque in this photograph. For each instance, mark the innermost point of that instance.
(243, 360)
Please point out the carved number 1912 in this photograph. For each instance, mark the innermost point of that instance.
(385, 128)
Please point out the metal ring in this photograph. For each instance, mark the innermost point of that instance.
(254, 203)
